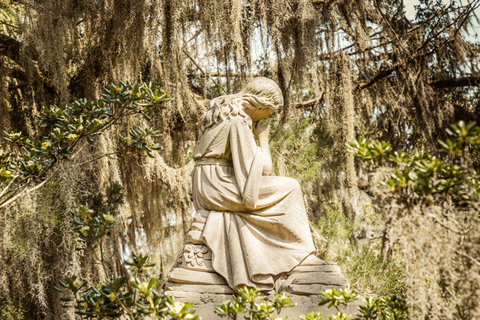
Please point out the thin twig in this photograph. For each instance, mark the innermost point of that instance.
(8, 186)
(475, 261)
(218, 86)
(385, 72)
(444, 225)
(74, 155)
(95, 159)
(466, 16)
(29, 190)
(9, 25)
(388, 23)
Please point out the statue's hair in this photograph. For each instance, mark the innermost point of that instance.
(261, 93)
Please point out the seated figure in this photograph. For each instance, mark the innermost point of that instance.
(254, 225)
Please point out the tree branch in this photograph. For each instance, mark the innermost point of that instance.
(456, 82)
(97, 158)
(387, 71)
(389, 25)
(8, 187)
(6, 203)
(218, 86)
(310, 103)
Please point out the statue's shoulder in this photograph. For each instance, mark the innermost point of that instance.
(238, 120)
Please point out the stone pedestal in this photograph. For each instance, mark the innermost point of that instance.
(192, 278)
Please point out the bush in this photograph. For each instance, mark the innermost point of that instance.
(430, 204)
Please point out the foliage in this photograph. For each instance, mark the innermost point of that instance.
(296, 150)
(113, 299)
(335, 299)
(411, 77)
(371, 275)
(420, 177)
(256, 307)
(116, 296)
(362, 264)
(334, 228)
(249, 302)
(9, 14)
(394, 307)
(14, 310)
(28, 160)
(430, 206)
(96, 220)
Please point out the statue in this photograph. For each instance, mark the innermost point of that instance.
(251, 229)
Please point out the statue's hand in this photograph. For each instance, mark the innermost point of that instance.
(260, 131)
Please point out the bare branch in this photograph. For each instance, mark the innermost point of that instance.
(387, 71)
(390, 26)
(456, 82)
(475, 261)
(218, 86)
(8, 187)
(99, 157)
(310, 103)
(38, 186)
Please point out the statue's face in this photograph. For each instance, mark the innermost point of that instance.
(255, 113)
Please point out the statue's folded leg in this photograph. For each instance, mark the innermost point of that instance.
(194, 278)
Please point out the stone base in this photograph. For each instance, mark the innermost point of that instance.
(193, 279)
(207, 311)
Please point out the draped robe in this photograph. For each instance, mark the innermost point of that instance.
(257, 227)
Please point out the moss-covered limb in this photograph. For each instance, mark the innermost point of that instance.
(456, 82)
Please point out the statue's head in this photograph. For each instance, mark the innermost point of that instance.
(256, 101)
(262, 93)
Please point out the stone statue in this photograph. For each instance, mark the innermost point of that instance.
(251, 228)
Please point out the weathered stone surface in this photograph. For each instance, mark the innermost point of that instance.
(196, 257)
(207, 311)
(319, 278)
(205, 267)
(330, 268)
(194, 237)
(216, 288)
(312, 260)
(199, 298)
(312, 289)
(197, 226)
(180, 275)
(201, 216)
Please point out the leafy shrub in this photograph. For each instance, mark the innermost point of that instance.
(27, 162)
(430, 204)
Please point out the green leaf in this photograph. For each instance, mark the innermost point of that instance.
(66, 299)
(59, 290)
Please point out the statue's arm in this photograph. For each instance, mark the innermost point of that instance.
(261, 132)
(247, 159)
